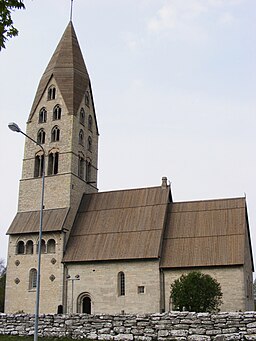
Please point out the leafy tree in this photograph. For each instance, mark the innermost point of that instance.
(7, 30)
(2, 284)
(196, 292)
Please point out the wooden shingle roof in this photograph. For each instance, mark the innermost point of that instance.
(68, 68)
(28, 222)
(118, 225)
(205, 233)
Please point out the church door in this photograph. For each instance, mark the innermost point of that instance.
(86, 305)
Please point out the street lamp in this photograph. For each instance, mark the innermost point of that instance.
(14, 127)
(76, 278)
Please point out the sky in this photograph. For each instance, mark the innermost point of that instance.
(174, 89)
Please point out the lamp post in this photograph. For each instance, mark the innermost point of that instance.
(14, 127)
(76, 278)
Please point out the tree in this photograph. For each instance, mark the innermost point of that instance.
(2, 284)
(7, 30)
(196, 292)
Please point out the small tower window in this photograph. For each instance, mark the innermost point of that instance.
(20, 249)
(29, 247)
(51, 93)
(57, 113)
(88, 171)
(42, 115)
(51, 246)
(53, 163)
(82, 116)
(90, 122)
(81, 137)
(87, 99)
(32, 278)
(55, 134)
(41, 136)
(81, 164)
(43, 246)
(39, 165)
(89, 144)
(121, 284)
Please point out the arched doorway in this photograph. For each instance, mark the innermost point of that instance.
(86, 305)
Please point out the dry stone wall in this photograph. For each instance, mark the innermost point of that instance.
(166, 326)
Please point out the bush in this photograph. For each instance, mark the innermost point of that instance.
(196, 292)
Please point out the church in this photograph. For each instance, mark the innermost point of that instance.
(109, 252)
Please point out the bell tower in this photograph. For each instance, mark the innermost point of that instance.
(63, 121)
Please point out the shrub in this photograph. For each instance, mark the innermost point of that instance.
(196, 292)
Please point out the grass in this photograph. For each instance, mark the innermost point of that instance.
(31, 338)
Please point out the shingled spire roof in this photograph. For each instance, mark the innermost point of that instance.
(68, 68)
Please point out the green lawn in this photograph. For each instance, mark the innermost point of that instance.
(31, 338)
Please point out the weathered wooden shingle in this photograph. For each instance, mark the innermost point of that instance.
(205, 233)
(28, 222)
(119, 225)
(68, 68)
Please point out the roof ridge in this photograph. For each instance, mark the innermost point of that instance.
(124, 190)
(208, 200)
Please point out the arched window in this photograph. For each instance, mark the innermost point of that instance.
(39, 165)
(32, 278)
(81, 137)
(90, 122)
(41, 136)
(81, 164)
(55, 134)
(88, 171)
(121, 283)
(51, 246)
(20, 248)
(51, 93)
(89, 144)
(82, 116)
(29, 247)
(87, 98)
(43, 247)
(53, 163)
(42, 115)
(57, 113)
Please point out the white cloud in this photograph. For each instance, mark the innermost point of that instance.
(226, 18)
(173, 13)
(132, 41)
(191, 17)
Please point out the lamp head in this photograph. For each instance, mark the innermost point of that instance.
(14, 127)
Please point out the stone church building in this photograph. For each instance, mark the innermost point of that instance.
(116, 251)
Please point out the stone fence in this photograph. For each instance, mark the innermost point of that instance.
(165, 326)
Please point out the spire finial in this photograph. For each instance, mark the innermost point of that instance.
(71, 10)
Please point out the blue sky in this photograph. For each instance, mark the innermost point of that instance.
(174, 87)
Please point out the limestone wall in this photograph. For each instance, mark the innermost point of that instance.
(231, 279)
(99, 282)
(166, 326)
(19, 296)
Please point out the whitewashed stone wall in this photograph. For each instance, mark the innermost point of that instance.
(166, 326)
